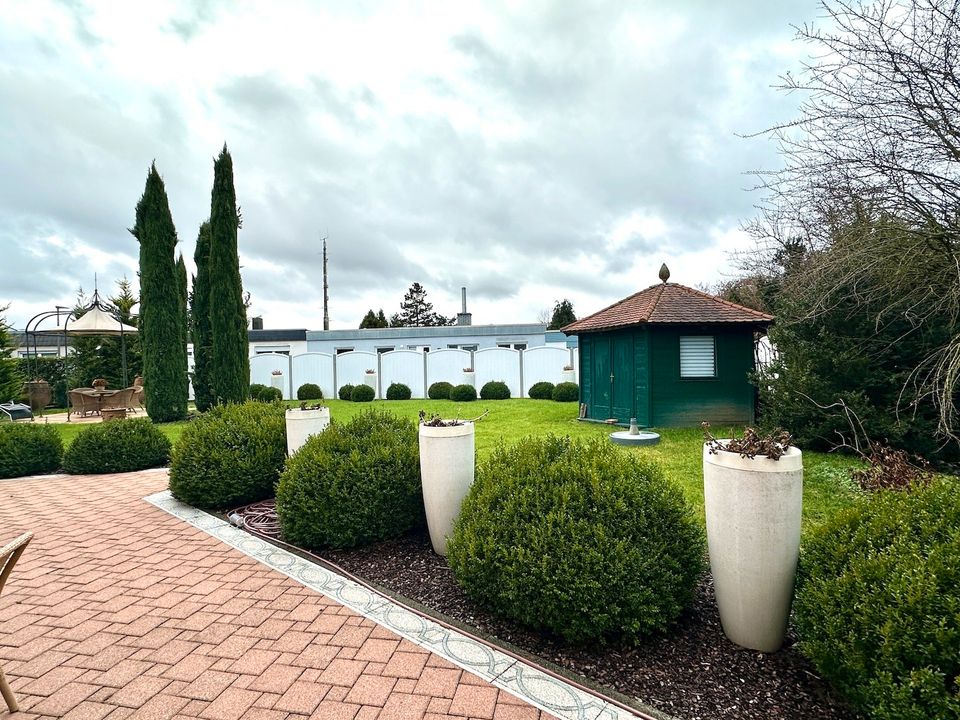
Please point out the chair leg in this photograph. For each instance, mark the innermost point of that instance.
(7, 693)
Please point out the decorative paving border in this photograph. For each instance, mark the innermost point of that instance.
(516, 677)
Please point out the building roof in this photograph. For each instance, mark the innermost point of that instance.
(668, 304)
(277, 335)
(434, 331)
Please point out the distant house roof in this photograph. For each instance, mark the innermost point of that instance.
(668, 303)
(276, 335)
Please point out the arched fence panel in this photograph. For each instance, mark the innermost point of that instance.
(402, 366)
(498, 364)
(543, 364)
(351, 368)
(316, 368)
(263, 367)
(447, 366)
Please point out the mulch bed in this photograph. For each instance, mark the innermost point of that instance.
(693, 672)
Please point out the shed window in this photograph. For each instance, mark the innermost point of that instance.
(698, 356)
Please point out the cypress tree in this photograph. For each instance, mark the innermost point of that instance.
(228, 315)
(200, 310)
(161, 333)
(184, 326)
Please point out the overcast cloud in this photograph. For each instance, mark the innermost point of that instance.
(530, 151)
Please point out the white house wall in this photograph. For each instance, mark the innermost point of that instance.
(402, 366)
(498, 364)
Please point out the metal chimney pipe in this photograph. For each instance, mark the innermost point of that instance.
(463, 299)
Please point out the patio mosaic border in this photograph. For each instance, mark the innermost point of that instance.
(514, 676)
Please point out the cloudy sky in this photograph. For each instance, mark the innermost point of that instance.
(530, 151)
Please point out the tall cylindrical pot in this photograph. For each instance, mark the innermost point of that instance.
(568, 376)
(469, 378)
(301, 424)
(753, 509)
(277, 382)
(446, 467)
(371, 380)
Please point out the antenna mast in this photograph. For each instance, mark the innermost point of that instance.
(326, 287)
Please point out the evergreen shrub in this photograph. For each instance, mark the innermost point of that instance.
(495, 390)
(566, 392)
(309, 391)
(29, 449)
(345, 392)
(363, 393)
(230, 455)
(579, 538)
(877, 609)
(541, 391)
(398, 391)
(353, 484)
(117, 446)
(463, 393)
(439, 390)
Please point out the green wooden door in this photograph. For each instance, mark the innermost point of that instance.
(601, 381)
(623, 389)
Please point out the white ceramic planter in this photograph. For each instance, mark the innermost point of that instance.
(371, 380)
(753, 510)
(301, 424)
(568, 376)
(469, 378)
(277, 382)
(447, 462)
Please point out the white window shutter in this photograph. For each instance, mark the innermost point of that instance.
(697, 356)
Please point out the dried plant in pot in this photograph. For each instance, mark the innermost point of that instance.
(370, 378)
(753, 497)
(469, 377)
(447, 462)
(303, 422)
(568, 374)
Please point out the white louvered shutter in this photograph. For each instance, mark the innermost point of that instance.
(697, 356)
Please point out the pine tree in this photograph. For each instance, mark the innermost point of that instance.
(415, 311)
(200, 311)
(160, 309)
(562, 315)
(382, 319)
(228, 316)
(373, 320)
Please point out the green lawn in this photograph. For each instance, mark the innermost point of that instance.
(826, 484)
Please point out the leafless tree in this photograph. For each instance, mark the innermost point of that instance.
(870, 181)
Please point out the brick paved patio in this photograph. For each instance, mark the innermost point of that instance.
(119, 610)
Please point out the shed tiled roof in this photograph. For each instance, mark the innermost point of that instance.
(667, 303)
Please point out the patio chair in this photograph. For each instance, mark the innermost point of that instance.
(116, 400)
(138, 395)
(9, 554)
(16, 411)
(82, 403)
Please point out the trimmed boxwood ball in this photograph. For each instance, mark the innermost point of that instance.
(541, 391)
(265, 393)
(398, 391)
(878, 603)
(345, 392)
(256, 390)
(117, 446)
(463, 393)
(495, 390)
(29, 449)
(353, 484)
(230, 455)
(363, 393)
(439, 390)
(579, 538)
(309, 391)
(566, 392)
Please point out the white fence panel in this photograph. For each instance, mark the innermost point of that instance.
(262, 367)
(402, 366)
(543, 364)
(447, 366)
(314, 368)
(352, 367)
(498, 364)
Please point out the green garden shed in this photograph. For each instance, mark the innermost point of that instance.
(669, 356)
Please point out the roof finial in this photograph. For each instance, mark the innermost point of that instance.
(664, 272)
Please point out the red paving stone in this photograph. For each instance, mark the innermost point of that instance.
(119, 610)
